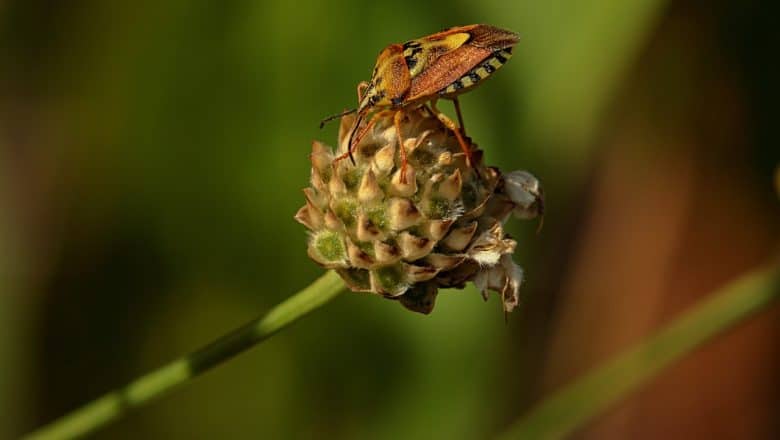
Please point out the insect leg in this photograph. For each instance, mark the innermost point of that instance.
(449, 123)
(354, 139)
(460, 116)
(397, 121)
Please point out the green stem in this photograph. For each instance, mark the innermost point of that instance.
(570, 408)
(117, 403)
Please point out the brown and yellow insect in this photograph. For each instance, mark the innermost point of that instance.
(418, 72)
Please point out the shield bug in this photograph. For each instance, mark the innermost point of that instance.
(419, 72)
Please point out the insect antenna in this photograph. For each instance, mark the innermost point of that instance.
(351, 135)
(332, 117)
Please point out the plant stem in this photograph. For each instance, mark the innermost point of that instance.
(119, 402)
(570, 408)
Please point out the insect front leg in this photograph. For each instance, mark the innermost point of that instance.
(449, 123)
(355, 137)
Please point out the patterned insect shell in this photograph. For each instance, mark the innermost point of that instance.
(444, 64)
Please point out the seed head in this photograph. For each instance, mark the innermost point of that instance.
(441, 227)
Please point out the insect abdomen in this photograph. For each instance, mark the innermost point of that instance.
(478, 73)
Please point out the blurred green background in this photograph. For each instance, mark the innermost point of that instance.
(151, 160)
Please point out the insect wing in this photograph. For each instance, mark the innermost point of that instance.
(492, 38)
(475, 52)
(447, 69)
